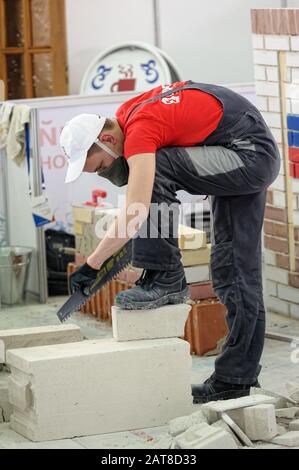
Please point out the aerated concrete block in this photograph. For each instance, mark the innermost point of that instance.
(203, 436)
(5, 406)
(288, 413)
(37, 336)
(260, 422)
(290, 439)
(212, 409)
(179, 425)
(165, 322)
(98, 386)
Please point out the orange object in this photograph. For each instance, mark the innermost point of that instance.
(205, 326)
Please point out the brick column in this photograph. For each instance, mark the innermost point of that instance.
(275, 31)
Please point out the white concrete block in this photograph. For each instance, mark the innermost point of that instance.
(270, 258)
(267, 88)
(294, 425)
(295, 182)
(293, 390)
(272, 74)
(295, 43)
(294, 311)
(98, 386)
(199, 273)
(37, 336)
(262, 102)
(260, 422)
(279, 183)
(277, 134)
(203, 436)
(290, 439)
(277, 305)
(222, 424)
(292, 59)
(295, 110)
(257, 41)
(237, 430)
(271, 288)
(164, 322)
(288, 293)
(274, 104)
(260, 72)
(277, 43)
(279, 198)
(265, 57)
(179, 425)
(292, 91)
(296, 217)
(215, 407)
(289, 413)
(272, 119)
(281, 401)
(5, 406)
(277, 274)
(295, 75)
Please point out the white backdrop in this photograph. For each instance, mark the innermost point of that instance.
(209, 40)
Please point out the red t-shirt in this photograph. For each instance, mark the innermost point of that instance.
(182, 119)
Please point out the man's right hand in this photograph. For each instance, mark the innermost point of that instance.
(83, 277)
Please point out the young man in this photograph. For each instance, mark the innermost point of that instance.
(207, 140)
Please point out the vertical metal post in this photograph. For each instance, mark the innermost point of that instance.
(37, 189)
(4, 192)
(157, 30)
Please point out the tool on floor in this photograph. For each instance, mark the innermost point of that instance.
(110, 268)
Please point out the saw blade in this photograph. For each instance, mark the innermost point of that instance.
(109, 269)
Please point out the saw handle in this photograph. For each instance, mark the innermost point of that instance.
(83, 278)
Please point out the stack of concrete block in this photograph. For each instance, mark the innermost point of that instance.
(27, 338)
(90, 225)
(102, 386)
(196, 254)
(276, 65)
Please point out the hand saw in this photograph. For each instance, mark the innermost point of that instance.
(110, 268)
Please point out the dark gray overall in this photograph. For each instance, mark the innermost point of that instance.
(234, 166)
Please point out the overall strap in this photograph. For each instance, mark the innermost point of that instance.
(188, 86)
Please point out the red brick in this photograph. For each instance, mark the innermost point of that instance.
(294, 154)
(276, 244)
(201, 291)
(205, 326)
(294, 280)
(276, 230)
(269, 198)
(273, 213)
(282, 261)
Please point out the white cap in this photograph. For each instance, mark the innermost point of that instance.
(76, 138)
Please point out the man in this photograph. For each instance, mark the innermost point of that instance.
(207, 140)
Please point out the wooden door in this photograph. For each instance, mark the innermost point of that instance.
(33, 48)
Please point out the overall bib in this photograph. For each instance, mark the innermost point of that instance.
(234, 166)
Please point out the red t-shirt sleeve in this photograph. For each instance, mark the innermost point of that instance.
(142, 136)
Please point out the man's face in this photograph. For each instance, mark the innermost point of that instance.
(97, 160)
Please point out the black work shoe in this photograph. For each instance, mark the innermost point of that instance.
(154, 289)
(212, 390)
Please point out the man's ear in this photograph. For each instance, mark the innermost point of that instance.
(107, 138)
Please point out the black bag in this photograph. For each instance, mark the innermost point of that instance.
(59, 246)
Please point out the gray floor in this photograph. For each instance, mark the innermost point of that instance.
(278, 368)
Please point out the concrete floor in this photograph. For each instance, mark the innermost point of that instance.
(278, 368)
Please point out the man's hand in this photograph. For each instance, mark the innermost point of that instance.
(83, 277)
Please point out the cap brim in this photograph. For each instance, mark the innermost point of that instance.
(75, 168)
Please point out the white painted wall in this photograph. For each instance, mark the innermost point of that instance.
(209, 40)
